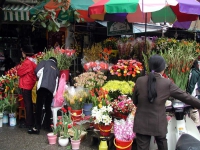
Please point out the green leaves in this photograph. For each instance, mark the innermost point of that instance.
(48, 18)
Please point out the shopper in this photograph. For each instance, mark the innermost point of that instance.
(48, 76)
(27, 80)
(193, 88)
(150, 94)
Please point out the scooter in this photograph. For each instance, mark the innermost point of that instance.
(179, 124)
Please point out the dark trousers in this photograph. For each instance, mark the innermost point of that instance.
(44, 97)
(143, 142)
(27, 96)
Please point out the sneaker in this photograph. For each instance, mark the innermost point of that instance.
(33, 131)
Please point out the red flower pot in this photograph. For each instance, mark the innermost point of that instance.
(105, 130)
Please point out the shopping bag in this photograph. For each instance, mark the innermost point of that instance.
(59, 98)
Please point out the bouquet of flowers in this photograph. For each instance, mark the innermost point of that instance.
(126, 69)
(75, 97)
(123, 104)
(99, 97)
(110, 43)
(102, 115)
(90, 80)
(91, 54)
(117, 87)
(123, 130)
(96, 66)
(64, 57)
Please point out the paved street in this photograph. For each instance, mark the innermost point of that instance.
(15, 138)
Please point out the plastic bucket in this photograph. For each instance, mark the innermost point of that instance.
(105, 130)
(123, 145)
(87, 108)
(66, 72)
(76, 115)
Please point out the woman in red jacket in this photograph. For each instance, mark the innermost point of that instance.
(27, 80)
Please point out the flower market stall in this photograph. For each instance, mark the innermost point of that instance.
(100, 98)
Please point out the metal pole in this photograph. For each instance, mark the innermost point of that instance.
(145, 32)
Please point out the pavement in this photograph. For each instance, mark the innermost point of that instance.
(15, 138)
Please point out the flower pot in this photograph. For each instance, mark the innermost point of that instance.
(123, 145)
(75, 144)
(12, 119)
(87, 108)
(105, 130)
(52, 138)
(1, 119)
(66, 72)
(76, 115)
(5, 117)
(119, 115)
(63, 141)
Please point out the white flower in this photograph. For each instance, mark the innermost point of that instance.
(103, 109)
(109, 109)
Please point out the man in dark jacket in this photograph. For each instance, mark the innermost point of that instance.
(48, 76)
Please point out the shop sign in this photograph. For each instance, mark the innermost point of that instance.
(119, 28)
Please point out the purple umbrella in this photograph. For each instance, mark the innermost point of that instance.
(189, 6)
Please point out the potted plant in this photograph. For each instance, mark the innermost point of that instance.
(12, 108)
(3, 105)
(89, 80)
(52, 136)
(64, 58)
(117, 88)
(63, 124)
(75, 98)
(76, 139)
(102, 117)
(123, 106)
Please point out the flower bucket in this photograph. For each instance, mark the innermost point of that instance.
(1, 119)
(75, 144)
(87, 108)
(123, 145)
(66, 72)
(12, 119)
(52, 138)
(5, 117)
(121, 116)
(105, 130)
(76, 115)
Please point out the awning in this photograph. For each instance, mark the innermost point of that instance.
(16, 12)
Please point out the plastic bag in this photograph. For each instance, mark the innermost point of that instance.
(59, 98)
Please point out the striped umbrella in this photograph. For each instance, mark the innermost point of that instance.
(133, 10)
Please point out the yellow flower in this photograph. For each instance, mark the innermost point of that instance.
(100, 105)
(81, 99)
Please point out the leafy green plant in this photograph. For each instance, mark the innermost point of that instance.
(48, 18)
(4, 103)
(77, 132)
(12, 106)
